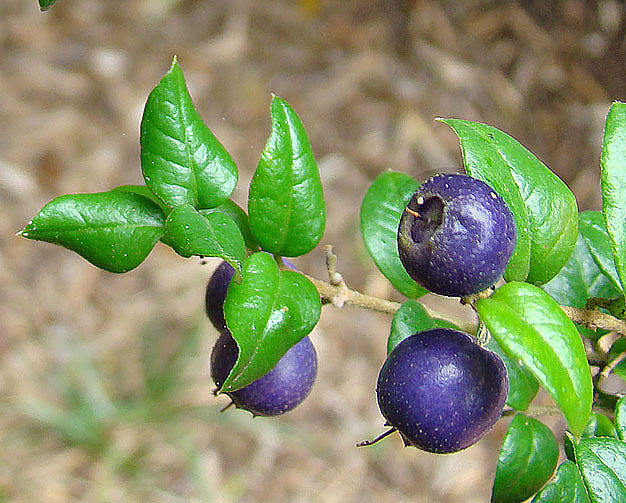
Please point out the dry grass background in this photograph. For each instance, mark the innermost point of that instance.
(104, 387)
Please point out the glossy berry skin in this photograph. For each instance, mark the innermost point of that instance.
(277, 392)
(441, 390)
(456, 235)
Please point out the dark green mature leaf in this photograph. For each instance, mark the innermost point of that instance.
(523, 387)
(532, 328)
(408, 320)
(527, 460)
(613, 183)
(620, 418)
(601, 461)
(182, 162)
(267, 313)
(46, 4)
(381, 211)
(113, 230)
(545, 209)
(593, 230)
(286, 201)
(240, 217)
(599, 426)
(568, 487)
(213, 235)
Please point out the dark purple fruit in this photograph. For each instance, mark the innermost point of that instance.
(456, 235)
(278, 391)
(441, 390)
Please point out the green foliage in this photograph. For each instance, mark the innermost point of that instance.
(46, 4)
(620, 418)
(381, 210)
(286, 202)
(599, 426)
(268, 312)
(527, 459)
(531, 327)
(544, 208)
(240, 217)
(567, 487)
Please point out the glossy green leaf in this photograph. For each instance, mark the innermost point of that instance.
(381, 211)
(567, 487)
(182, 162)
(523, 387)
(240, 217)
(144, 191)
(46, 4)
(267, 313)
(593, 230)
(599, 426)
(620, 418)
(408, 320)
(532, 328)
(527, 459)
(545, 209)
(286, 201)
(602, 463)
(613, 183)
(213, 235)
(113, 230)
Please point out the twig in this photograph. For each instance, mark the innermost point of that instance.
(612, 364)
(594, 319)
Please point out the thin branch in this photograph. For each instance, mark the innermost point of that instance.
(594, 319)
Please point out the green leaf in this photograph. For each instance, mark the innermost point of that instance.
(602, 463)
(523, 386)
(267, 313)
(213, 235)
(568, 487)
(46, 4)
(544, 208)
(144, 191)
(613, 183)
(532, 328)
(527, 459)
(620, 418)
(599, 426)
(408, 320)
(286, 201)
(240, 217)
(113, 230)
(182, 162)
(593, 230)
(381, 211)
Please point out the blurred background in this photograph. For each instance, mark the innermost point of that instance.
(104, 384)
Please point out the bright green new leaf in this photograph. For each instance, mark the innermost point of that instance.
(240, 217)
(268, 312)
(213, 235)
(46, 4)
(113, 230)
(182, 162)
(613, 183)
(523, 387)
(544, 207)
(533, 329)
(381, 211)
(286, 201)
(593, 230)
(599, 426)
(620, 418)
(408, 320)
(602, 463)
(527, 459)
(567, 487)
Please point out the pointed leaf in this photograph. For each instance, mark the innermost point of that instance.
(620, 418)
(599, 426)
(182, 162)
(286, 201)
(544, 208)
(381, 211)
(568, 487)
(113, 230)
(240, 217)
(46, 4)
(267, 313)
(602, 463)
(532, 328)
(613, 183)
(213, 235)
(527, 460)
(593, 230)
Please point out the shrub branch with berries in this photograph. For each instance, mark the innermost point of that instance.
(506, 238)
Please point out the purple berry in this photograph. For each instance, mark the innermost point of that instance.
(456, 235)
(441, 390)
(277, 392)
